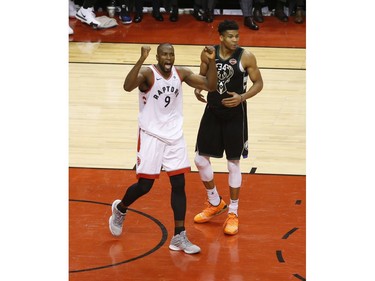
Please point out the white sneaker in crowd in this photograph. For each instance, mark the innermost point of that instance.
(88, 16)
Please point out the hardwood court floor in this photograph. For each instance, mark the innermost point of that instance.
(100, 109)
(270, 245)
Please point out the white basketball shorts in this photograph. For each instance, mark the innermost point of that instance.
(154, 155)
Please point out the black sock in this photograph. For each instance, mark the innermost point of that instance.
(122, 209)
(178, 230)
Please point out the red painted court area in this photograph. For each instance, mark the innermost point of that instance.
(269, 246)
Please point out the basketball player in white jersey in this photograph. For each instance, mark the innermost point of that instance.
(161, 142)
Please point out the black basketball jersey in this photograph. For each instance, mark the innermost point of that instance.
(231, 78)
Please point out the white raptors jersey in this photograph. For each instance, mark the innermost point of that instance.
(160, 108)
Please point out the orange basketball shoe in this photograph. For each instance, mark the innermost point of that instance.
(210, 211)
(231, 224)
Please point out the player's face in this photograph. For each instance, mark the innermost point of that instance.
(165, 58)
(230, 39)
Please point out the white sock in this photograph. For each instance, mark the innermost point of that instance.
(213, 196)
(233, 206)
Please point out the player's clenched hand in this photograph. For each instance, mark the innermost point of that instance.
(210, 52)
(145, 50)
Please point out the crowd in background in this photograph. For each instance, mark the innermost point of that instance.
(131, 11)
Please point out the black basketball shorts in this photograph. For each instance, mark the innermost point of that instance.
(223, 132)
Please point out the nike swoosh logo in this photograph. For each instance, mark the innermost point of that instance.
(158, 78)
(81, 16)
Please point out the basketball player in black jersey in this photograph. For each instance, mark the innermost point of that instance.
(223, 125)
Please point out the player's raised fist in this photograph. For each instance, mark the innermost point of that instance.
(145, 50)
(210, 52)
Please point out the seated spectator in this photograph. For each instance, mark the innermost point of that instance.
(258, 15)
(198, 12)
(87, 15)
(139, 4)
(247, 8)
(172, 7)
(297, 8)
(279, 10)
(125, 11)
(204, 10)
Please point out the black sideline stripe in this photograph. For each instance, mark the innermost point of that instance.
(286, 235)
(279, 256)
(299, 277)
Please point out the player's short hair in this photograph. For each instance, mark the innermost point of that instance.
(227, 25)
(163, 45)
